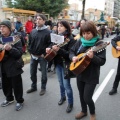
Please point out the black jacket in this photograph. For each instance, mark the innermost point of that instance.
(39, 40)
(91, 73)
(63, 52)
(9, 64)
(115, 40)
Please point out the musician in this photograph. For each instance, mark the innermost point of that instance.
(63, 54)
(39, 40)
(10, 69)
(89, 78)
(77, 36)
(117, 78)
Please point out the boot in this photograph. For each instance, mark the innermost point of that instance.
(62, 100)
(69, 108)
(0, 85)
(80, 115)
(113, 91)
(93, 117)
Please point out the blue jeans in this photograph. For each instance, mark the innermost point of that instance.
(64, 84)
(33, 72)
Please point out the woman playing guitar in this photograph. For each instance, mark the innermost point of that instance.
(63, 55)
(89, 78)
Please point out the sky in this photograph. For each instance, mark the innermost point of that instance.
(96, 4)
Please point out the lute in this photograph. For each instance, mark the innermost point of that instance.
(53, 53)
(84, 60)
(12, 41)
(115, 52)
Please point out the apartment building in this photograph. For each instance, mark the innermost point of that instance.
(2, 14)
(2, 3)
(92, 14)
(116, 12)
(109, 8)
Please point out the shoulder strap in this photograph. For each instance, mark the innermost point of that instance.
(79, 49)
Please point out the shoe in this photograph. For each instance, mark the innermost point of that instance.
(31, 90)
(92, 117)
(19, 106)
(42, 92)
(69, 108)
(0, 85)
(113, 91)
(49, 69)
(62, 100)
(39, 69)
(6, 103)
(80, 115)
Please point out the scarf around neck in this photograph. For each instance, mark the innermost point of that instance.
(90, 42)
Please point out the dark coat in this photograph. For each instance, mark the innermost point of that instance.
(115, 40)
(39, 40)
(63, 52)
(9, 64)
(91, 73)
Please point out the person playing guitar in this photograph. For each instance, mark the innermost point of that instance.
(89, 78)
(63, 55)
(116, 53)
(11, 68)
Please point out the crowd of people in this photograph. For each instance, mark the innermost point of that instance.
(38, 37)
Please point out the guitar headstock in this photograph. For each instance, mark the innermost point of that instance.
(65, 42)
(100, 46)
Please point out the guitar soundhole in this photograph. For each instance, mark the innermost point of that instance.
(74, 64)
(80, 59)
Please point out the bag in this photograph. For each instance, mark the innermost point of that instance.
(67, 73)
(20, 63)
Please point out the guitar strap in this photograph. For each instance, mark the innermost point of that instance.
(79, 49)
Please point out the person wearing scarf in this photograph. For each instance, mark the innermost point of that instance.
(89, 78)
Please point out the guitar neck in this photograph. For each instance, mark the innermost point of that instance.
(10, 43)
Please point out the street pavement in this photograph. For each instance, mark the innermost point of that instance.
(46, 107)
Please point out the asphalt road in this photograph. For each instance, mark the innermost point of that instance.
(45, 107)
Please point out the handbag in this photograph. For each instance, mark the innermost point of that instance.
(67, 73)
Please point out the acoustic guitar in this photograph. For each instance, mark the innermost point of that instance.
(115, 52)
(53, 53)
(2, 50)
(84, 60)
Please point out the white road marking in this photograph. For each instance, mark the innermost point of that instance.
(102, 86)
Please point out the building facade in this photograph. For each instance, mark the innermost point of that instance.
(109, 8)
(92, 14)
(116, 12)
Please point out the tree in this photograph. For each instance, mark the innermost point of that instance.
(52, 7)
(83, 9)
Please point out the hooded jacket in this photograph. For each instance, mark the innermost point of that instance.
(39, 40)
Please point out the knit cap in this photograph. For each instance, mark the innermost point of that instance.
(6, 23)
